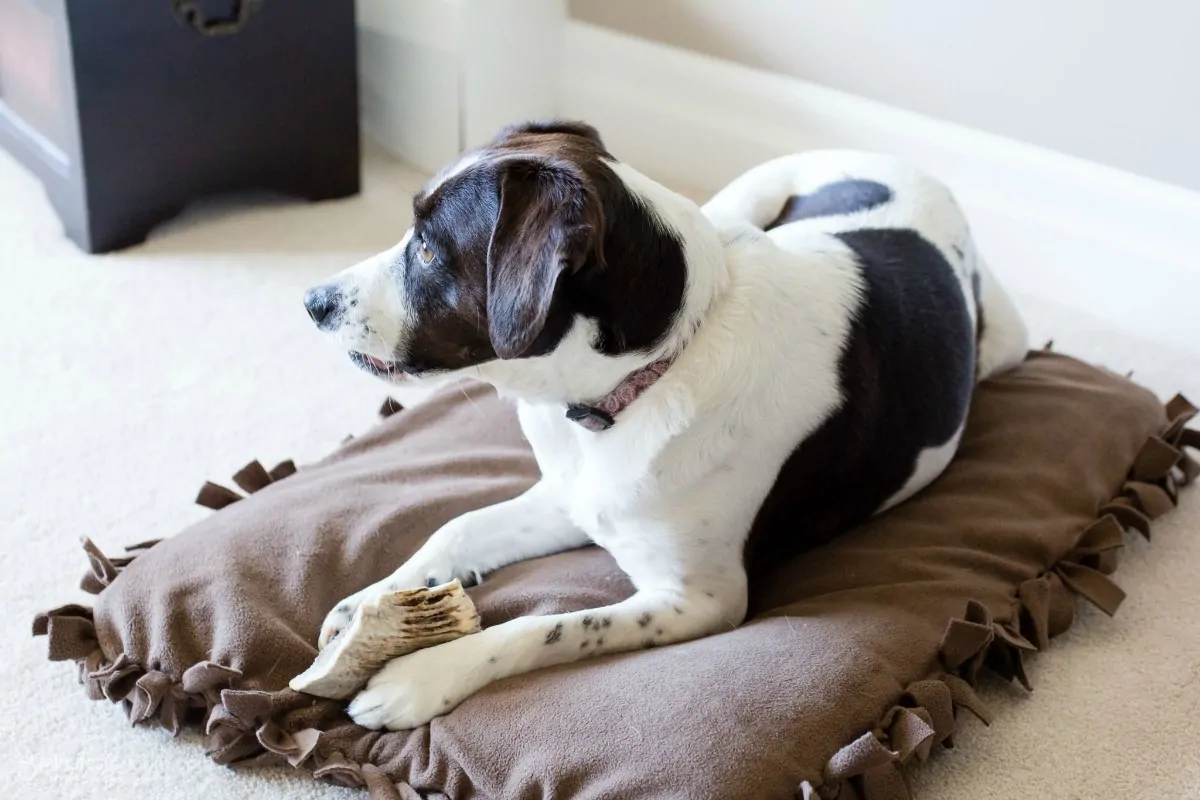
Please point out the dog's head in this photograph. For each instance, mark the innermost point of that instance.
(509, 247)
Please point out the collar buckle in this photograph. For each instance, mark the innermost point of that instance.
(590, 417)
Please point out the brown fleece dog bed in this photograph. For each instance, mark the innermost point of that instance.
(857, 662)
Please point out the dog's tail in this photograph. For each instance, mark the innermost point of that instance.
(1002, 341)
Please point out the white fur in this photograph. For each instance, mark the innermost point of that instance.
(373, 312)
(672, 489)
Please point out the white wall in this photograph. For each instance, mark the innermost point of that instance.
(1114, 81)
(408, 69)
(440, 75)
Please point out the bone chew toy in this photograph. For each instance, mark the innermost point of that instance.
(384, 628)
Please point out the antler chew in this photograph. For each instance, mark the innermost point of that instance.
(384, 628)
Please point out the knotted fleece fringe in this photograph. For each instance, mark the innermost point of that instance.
(250, 478)
(243, 727)
(250, 728)
(873, 766)
(254, 477)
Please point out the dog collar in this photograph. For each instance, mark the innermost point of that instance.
(603, 415)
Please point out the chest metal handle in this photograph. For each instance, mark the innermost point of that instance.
(190, 13)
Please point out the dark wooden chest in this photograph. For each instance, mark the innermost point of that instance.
(127, 110)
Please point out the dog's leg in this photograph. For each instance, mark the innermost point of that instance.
(686, 589)
(472, 545)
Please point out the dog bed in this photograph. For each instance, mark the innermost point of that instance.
(858, 659)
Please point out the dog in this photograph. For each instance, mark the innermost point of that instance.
(804, 349)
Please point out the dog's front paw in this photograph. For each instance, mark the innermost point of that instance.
(338, 619)
(413, 689)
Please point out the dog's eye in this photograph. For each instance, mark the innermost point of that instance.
(424, 253)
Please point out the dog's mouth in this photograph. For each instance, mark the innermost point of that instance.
(377, 366)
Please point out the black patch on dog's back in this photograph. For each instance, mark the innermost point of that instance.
(907, 372)
(832, 199)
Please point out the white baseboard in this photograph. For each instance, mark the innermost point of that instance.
(1106, 242)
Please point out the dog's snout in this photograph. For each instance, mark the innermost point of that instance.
(321, 303)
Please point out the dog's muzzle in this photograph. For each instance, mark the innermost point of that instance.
(324, 305)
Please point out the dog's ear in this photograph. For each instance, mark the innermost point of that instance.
(549, 225)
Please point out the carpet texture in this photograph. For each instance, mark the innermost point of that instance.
(127, 380)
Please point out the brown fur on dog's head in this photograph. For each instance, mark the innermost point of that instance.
(512, 244)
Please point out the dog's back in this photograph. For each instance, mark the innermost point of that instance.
(930, 321)
(841, 191)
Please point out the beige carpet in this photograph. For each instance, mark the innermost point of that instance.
(127, 380)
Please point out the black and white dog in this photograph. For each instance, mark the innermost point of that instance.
(803, 348)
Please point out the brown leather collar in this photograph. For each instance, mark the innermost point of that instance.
(603, 415)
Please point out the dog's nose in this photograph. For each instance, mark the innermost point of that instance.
(321, 302)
